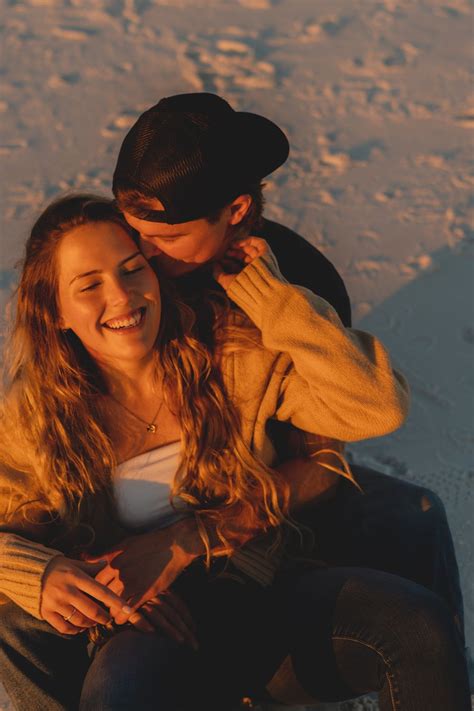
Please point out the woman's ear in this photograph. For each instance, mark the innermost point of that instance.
(62, 325)
(239, 208)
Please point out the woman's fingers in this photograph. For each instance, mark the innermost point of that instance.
(63, 626)
(76, 617)
(88, 608)
(252, 246)
(102, 594)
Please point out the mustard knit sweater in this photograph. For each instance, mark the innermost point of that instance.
(313, 372)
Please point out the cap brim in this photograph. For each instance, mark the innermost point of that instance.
(262, 142)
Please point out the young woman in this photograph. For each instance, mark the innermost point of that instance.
(128, 415)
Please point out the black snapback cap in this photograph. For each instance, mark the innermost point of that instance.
(195, 154)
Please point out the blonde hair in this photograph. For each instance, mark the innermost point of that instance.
(54, 410)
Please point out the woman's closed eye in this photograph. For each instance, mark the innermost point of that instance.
(90, 287)
(125, 273)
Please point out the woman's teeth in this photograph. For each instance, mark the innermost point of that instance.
(127, 322)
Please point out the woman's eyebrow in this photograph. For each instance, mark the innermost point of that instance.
(98, 271)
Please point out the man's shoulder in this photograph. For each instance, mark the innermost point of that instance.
(302, 263)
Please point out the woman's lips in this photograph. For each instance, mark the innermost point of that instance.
(127, 322)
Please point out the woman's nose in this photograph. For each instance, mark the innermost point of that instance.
(118, 292)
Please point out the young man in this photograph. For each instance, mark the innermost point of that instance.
(188, 179)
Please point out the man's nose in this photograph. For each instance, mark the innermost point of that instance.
(148, 247)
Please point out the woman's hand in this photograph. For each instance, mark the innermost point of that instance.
(236, 258)
(167, 612)
(71, 596)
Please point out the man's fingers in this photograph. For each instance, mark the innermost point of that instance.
(106, 575)
(185, 631)
(141, 623)
(181, 608)
(155, 613)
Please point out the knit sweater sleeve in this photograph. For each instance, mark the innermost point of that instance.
(338, 382)
(22, 565)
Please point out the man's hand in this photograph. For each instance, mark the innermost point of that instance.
(167, 612)
(141, 567)
(236, 258)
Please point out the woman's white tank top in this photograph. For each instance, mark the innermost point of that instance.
(142, 487)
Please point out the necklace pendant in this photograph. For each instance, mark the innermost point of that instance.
(151, 428)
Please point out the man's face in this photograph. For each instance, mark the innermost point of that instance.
(183, 247)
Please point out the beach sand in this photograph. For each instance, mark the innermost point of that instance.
(374, 96)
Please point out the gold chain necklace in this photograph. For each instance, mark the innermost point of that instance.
(150, 426)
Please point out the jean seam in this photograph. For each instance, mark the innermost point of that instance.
(386, 661)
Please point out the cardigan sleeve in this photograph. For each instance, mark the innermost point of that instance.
(338, 382)
(22, 565)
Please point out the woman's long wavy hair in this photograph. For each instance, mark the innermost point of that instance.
(54, 416)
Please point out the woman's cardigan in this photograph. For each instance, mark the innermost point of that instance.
(313, 372)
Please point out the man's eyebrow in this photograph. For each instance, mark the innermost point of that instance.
(97, 271)
(178, 234)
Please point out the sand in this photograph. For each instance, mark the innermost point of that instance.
(374, 95)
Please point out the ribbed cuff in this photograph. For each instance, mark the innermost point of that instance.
(255, 285)
(255, 560)
(22, 565)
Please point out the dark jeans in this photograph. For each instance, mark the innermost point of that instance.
(394, 526)
(343, 631)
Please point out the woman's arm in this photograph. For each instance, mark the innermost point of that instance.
(50, 586)
(338, 382)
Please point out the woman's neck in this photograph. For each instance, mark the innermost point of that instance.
(133, 381)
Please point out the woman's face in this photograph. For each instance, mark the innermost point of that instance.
(108, 294)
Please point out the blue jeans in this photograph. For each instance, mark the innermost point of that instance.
(346, 631)
(395, 527)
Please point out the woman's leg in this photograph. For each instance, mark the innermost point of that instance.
(353, 630)
(40, 668)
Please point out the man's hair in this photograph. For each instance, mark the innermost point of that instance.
(138, 203)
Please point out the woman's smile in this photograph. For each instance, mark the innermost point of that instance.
(127, 323)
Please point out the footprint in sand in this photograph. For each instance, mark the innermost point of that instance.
(333, 26)
(120, 124)
(62, 81)
(257, 4)
(74, 34)
(229, 62)
(465, 118)
(13, 146)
